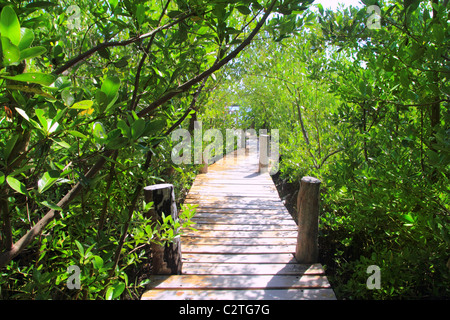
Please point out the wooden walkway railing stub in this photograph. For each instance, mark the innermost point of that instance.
(245, 242)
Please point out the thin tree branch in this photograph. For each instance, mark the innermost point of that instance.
(329, 155)
(8, 255)
(123, 43)
(134, 102)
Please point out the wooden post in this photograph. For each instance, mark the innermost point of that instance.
(204, 167)
(166, 259)
(263, 153)
(307, 250)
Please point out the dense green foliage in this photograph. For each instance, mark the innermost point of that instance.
(90, 92)
(366, 111)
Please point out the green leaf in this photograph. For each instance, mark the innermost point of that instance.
(320, 7)
(111, 87)
(32, 52)
(148, 206)
(104, 53)
(113, 3)
(10, 145)
(117, 143)
(123, 62)
(97, 262)
(41, 4)
(40, 114)
(409, 219)
(137, 128)
(80, 248)
(102, 100)
(34, 90)
(109, 293)
(124, 128)
(438, 32)
(16, 185)
(115, 291)
(174, 13)
(67, 97)
(244, 10)
(23, 114)
(2, 178)
(82, 105)
(9, 25)
(26, 39)
(33, 77)
(77, 134)
(51, 205)
(154, 127)
(48, 179)
(63, 143)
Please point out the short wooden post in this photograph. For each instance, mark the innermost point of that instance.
(263, 153)
(307, 250)
(166, 259)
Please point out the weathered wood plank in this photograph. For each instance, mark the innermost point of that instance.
(263, 187)
(249, 269)
(238, 241)
(220, 218)
(260, 249)
(246, 211)
(283, 294)
(261, 220)
(242, 234)
(233, 205)
(241, 282)
(240, 258)
(242, 227)
(241, 197)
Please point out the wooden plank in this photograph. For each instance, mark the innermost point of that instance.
(235, 189)
(240, 258)
(251, 195)
(241, 282)
(260, 249)
(230, 218)
(231, 182)
(247, 211)
(264, 187)
(249, 269)
(224, 205)
(185, 240)
(242, 234)
(283, 294)
(221, 219)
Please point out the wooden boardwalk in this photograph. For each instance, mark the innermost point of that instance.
(244, 244)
